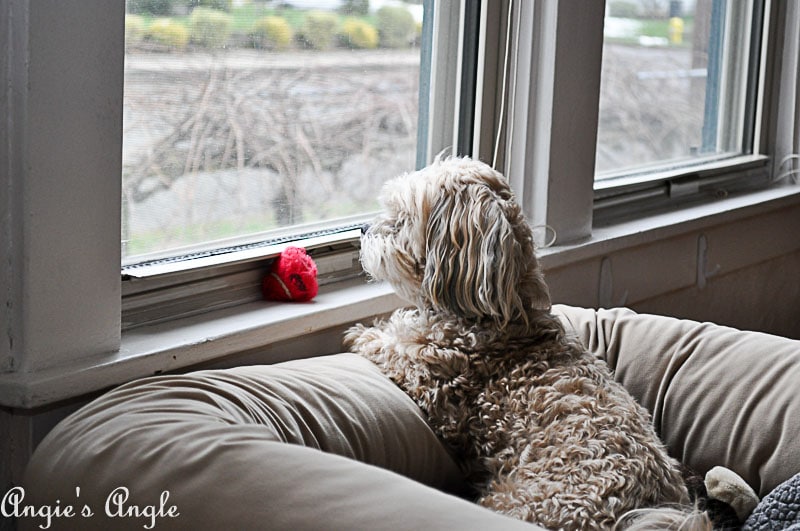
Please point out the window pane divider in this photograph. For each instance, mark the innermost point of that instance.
(629, 195)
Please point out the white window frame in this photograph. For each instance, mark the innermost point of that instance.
(61, 150)
(62, 109)
(551, 157)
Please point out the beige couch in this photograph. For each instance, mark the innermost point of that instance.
(330, 443)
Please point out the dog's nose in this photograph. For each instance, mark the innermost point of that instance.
(364, 228)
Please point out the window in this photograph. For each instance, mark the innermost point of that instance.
(233, 151)
(677, 84)
(245, 121)
(234, 143)
(644, 111)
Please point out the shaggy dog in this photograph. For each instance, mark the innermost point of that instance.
(545, 432)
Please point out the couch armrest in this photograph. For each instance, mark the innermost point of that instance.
(240, 449)
(718, 396)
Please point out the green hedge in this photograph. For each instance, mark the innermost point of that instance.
(356, 33)
(273, 33)
(135, 27)
(209, 27)
(355, 7)
(168, 32)
(396, 27)
(319, 29)
(274, 30)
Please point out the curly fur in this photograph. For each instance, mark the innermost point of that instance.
(544, 431)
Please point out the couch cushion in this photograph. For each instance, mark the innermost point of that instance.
(718, 396)
(240, 449)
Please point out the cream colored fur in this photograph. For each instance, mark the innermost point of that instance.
(545, 432)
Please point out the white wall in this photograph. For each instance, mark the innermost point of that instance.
(743, 271)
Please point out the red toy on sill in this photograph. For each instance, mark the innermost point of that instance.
(292, 277)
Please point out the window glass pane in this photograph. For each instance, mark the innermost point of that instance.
(674, 86)
(245, 116)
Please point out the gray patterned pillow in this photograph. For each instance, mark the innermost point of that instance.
(780, 509)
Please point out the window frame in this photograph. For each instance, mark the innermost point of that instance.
(210, 280)
(546, 143)
(551, 159)
(628, 193)
(63, 109)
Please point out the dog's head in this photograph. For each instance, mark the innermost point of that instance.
(452, 238)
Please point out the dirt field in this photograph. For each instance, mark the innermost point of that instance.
(249, 141)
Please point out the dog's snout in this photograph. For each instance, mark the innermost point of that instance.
(364, 228)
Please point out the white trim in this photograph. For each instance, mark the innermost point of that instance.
(61, 289)
(480, 75)
(12, 60)
(194, 340)
(787, 121)
(551, 157)
(459, 66)
(445, 58)
(488, 78)
(698, 167)
(737, 41)
(652, 229)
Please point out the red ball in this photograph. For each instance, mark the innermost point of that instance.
(292, 277)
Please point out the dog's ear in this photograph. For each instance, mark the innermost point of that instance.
(479, 259)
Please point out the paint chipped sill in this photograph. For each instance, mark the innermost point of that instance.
(182, 343)
(190, 341)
